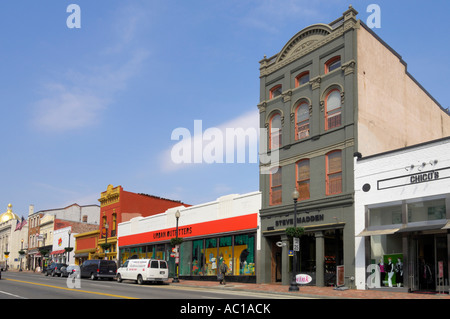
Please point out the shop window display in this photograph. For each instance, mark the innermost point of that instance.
(386, 267)
(226, 252)
(244, 255)
(211, 258)
(198, 268)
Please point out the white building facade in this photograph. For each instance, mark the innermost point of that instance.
(225, 230)
(402, 214)
(13, 240)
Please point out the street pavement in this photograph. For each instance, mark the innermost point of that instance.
(307, 291)
(312, 291)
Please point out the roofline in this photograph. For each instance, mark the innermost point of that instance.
(398, 150)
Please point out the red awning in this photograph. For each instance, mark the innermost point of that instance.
(57, 252)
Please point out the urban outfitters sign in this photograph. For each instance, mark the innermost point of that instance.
(413, 179)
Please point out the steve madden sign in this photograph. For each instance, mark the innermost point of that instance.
(289, 222)
(416, 178)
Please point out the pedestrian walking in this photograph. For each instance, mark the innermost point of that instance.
(222, 271)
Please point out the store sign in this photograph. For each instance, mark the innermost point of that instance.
(412, 179)
(303, 279)
(218, 226)
(184, 231)
(289, 222)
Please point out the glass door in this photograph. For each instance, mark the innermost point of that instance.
(441, 262)
(413, 264)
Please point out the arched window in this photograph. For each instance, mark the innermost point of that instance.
(302, 78)
(333, 109)
(302, 121)
(334, 173)
(332, 64)
(303, 173)
(275, 186)
(275, 91)
(275, 131)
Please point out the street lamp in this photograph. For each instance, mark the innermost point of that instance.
(106, 239)
(175, 279)
(68, 252)
(21, 255)
(293, 286)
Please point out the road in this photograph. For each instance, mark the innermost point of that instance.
(25, 285)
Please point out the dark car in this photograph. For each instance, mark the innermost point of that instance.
(54, 269)
(98, 268)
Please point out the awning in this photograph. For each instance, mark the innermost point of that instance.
(378, 232)
(57, 252)
(447, 226)
(422, 228)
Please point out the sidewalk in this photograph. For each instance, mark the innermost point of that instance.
(310, 291)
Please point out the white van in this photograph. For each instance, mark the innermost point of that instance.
(143, 270)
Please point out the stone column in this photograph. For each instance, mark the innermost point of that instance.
(320, 257)
(285, 275)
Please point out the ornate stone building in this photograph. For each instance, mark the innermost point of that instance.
(333, 91)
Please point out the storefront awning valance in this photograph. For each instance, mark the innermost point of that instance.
(57, 252)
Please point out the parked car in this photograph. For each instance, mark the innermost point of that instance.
(70, 270)
(142, 270)
(98, 268)
(54, 269)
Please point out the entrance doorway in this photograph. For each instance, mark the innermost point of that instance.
(276, 261)
(428, 264)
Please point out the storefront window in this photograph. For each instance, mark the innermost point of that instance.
(159, 252)
(141, 252)
(197, 258)
(386, 261)
(244, 255)
(185, 258)
(226, 252)
(389, 215)
(211, 258)
(426, 211)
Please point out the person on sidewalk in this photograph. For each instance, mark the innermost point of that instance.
(222, 271)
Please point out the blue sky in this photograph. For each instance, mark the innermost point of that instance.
(84, 108)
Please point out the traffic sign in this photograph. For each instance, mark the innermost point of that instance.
(296, 244)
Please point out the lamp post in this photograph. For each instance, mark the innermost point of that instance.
(68, 252)
(177, 258)
(21, 255)
(106, 239)
(294, 286)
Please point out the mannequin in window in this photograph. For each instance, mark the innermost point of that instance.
(390, 270)
(399, 272)
(382, 272)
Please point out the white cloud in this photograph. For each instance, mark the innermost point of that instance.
(205, 145)
(78, 97)
(270, 15)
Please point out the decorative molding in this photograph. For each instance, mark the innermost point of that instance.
(298, 46)
(349, 67)
(286, 96)
(315, 82)
(111, 196)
